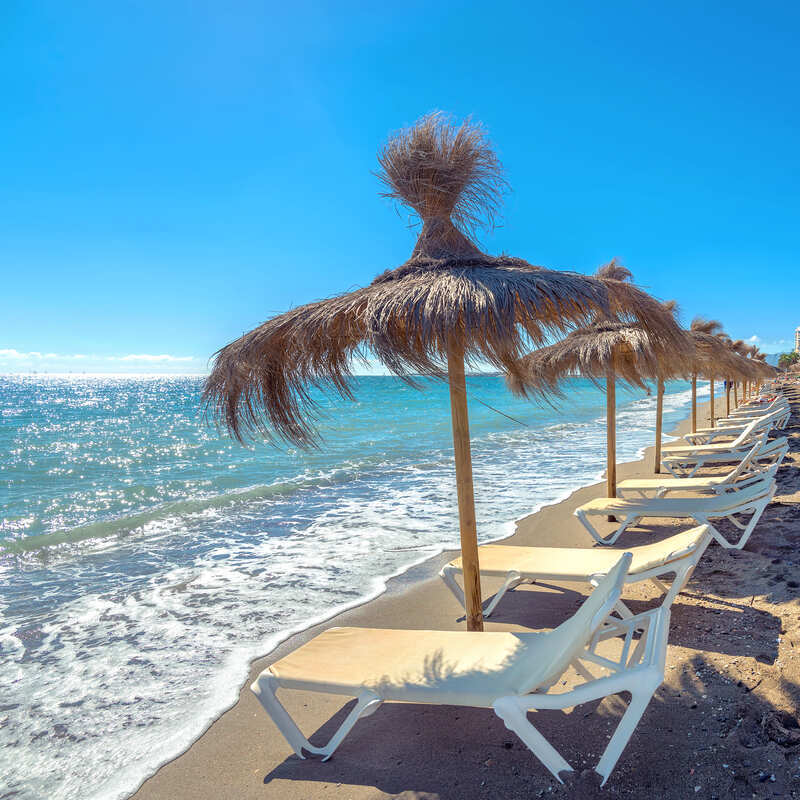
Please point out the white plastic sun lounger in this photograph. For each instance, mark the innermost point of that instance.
(755, 407)
(731, 422)
(776, 419)
(677, 555)
(687, 462)
(751, 500)
(511, 673)
(661, 487)
(759, 463)
(736, 424)
(687, 466)
(756, 427)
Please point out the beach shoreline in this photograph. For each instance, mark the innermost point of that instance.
(406, 602)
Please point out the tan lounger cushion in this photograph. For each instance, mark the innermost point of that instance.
(671, 483)
(422, 666)
(579, 564)
(718, 505)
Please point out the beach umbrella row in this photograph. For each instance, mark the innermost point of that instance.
(448, 308)
(606, 351)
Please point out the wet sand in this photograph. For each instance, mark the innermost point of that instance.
(723, 724)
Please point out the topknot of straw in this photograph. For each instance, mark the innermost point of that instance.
(702, 325)
(671, 306)
(444, 171)
(614, 271)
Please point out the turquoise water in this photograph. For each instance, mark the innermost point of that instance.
(145, 558)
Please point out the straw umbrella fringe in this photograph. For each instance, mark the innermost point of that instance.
(672, 307)
(448, 306)
(603, 351)
(713, 359)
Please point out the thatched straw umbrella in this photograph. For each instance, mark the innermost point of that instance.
(607, 350)
(761, 368)
(712, 359)
(450, 305)
(754, 368)
(740, 349)
(678, 368)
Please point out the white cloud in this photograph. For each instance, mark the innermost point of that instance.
(12, 360)
(771, 346)
(35, 355)
(149, 357)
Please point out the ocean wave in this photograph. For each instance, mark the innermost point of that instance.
(121, 649)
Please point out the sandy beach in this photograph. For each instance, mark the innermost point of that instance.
(723, 724)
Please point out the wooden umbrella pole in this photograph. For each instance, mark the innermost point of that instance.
(466, 493)
(713, 406)
(694, 402)
(727, 398)
(735, 394)
(659, 420)
(611, 436)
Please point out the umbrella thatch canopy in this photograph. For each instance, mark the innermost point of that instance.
(712, 359)
(745, 369)
(667, 371)
(606, 350)
(449, 305)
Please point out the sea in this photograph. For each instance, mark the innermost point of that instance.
(146, 557)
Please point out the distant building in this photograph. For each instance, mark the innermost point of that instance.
(797, 339)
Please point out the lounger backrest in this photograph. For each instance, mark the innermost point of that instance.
(753, 428)
(773, 452)
(571, 638)
(739, 498)
(774, 417)
(745, 435)
(747, 461)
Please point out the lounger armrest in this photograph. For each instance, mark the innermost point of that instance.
(648, 666)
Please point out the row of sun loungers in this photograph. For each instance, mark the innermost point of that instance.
(513, 673)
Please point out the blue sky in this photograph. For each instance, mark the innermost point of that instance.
(175, 172)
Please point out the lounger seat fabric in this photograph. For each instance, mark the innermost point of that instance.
(670, 506)
(569, 563)
(689, 484)
(412, 665)
(699, 449)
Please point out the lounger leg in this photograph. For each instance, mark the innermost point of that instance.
(620, 607)
(448, 575)
(611, 538)
(669, 468)
(264, 688)
(736, 522)
(628, 521)
(758, 510)
(640, 698)
(660, 585)
(516, 720)
(513, 579)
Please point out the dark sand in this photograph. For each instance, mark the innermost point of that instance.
(724, 723)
